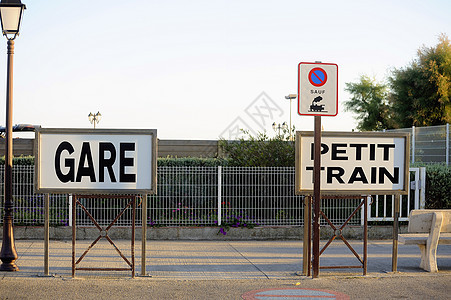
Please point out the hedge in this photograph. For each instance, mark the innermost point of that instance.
(166, 162)
(438, 186)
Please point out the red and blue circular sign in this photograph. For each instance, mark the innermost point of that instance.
(317, 77)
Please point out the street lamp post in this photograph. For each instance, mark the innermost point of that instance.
(278, 127)
(291, 97)
(94, 118)
(10, 14)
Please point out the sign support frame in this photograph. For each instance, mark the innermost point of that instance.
(316, 195)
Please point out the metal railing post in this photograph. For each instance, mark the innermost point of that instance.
(143, 235)
(46, 233)
(447, 144)
(219, 195)
(413, 145)
(422, 187)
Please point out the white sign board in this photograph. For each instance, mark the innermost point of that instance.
(95, 161)
(363, 163)
(317, 89)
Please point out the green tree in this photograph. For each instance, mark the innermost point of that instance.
(369, 103)
(421, 92)
(260, 151)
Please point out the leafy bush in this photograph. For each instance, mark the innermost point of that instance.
(167, 162)
(20, 160)
(438, 186)
(260, 151)
(191, 162)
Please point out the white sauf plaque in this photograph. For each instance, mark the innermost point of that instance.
(317, 89)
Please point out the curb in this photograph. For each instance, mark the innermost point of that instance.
(201, 233)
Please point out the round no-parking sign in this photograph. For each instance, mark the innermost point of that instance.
(317, 77)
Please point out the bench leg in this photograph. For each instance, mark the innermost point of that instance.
(428, 258)
(423, 256)
(431, 255)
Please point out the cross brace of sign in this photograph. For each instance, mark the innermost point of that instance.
(103, 233)
(338, 232)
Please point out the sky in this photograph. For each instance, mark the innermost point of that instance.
(203, 69)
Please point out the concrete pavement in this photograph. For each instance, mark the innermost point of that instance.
(221, 270)
(206, 260)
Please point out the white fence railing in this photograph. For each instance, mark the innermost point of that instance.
(382, 208)
(429, 144)
(206, 196)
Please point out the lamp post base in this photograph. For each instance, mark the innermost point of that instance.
(8, 254)
(9, 267)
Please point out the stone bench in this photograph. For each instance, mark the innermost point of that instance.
(428, 228)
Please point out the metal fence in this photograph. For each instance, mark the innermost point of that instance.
(189, 196)
(429, 144)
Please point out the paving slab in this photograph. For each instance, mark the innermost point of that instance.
(216, 260)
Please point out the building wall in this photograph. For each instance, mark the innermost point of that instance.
(171, 148)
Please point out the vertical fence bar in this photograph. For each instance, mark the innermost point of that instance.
(219, 195)
(417, 191)
(423, 187)
(70, 210)
(413, 145)
(447, 144)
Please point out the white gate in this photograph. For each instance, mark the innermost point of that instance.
(382, 206)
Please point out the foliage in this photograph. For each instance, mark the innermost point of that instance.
(260, 151)
(21, 160)
(191, 162)
(369, 102)
(236, 220)
(421, 92)
(438, 186)
(168, 161)
(417, 95)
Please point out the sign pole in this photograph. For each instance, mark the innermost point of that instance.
(46, 233)
(144, 236)
(306, 239)
(395, 233)
(316, 194)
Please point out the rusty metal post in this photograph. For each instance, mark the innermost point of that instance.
(395, 233)
(8, 254)
(144, 236)
(365, 235)
(74, 203)
(316, 195)
(46, 233)
(306, 239)
(309, 248)
(133, 236)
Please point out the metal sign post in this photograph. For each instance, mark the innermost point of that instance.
(316, 195)
(317, 96)
(46, 233)
(395, 233)
(144, 236)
